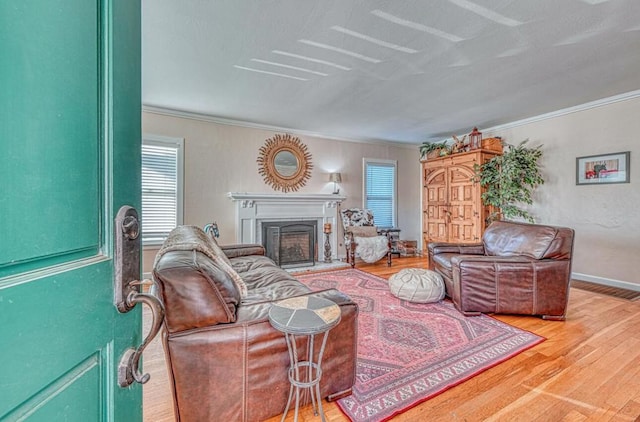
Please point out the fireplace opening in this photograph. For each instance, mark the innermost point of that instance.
(290, 243)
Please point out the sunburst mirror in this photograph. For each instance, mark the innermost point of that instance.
(284, 163)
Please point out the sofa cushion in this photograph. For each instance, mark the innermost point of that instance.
(242, 264)
(272, 283)
(510, 239)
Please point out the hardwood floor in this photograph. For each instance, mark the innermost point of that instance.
(588, 369)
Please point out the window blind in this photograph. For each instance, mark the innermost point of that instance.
(159, 191)
(380, 192)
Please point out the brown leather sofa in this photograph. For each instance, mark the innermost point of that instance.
(225, 360)
(518, 268)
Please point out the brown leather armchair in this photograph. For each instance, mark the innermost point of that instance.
(518, 268)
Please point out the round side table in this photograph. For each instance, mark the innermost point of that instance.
(304, 316)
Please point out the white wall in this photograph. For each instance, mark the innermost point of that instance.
(606, 218)
(222, 158)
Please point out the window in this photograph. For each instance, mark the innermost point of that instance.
(380, 190)
(162, 174)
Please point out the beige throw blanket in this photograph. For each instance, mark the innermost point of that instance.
(193, 238)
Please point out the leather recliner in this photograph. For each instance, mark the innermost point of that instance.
(518, 268)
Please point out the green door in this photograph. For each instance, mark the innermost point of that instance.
(69, 159)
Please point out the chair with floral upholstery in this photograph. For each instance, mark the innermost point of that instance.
(361, 237)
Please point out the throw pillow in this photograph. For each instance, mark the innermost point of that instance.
(363, 231)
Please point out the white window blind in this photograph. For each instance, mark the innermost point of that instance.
(161, 188)
(380, 191)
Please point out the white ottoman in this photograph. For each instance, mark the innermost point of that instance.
(417, 285)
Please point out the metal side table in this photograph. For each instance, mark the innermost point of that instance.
(305, 316)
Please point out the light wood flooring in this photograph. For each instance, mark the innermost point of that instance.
(588, 369)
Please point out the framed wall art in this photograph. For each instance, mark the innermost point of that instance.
(602, 169)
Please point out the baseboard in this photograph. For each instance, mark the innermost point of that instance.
(606, 281)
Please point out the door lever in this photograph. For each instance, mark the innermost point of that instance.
(127, 291)
(129, 367)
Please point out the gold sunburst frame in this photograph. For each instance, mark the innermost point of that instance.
(267, 163)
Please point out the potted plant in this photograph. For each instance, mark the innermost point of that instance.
(509, 180)
(433, 149)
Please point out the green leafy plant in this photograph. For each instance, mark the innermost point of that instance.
(509, 180)
(427, 147)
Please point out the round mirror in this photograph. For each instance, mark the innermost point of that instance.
(285, 163)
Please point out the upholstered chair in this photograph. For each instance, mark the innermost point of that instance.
(518, 268)
(361, 237)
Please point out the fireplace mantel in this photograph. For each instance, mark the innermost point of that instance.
(252, 209)
(285, 197)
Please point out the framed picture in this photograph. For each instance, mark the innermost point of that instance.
(601, 169)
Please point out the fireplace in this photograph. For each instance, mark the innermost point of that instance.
(290, 243)
(255, 210)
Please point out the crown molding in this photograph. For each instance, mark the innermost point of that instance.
(569, 110)
(231, 122)
(241, 123)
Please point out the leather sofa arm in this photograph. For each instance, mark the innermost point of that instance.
(481, 260)
(511, 285)
(462, 249)
(238, 372)
(236, 250)
(436, 248)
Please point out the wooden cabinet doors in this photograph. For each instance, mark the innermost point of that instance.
(452, 205)
(435, 208)
(451, 201)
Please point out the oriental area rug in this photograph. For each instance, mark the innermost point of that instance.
(410, 352)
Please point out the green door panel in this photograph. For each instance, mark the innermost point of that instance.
(50, 130)
(70, 135)
(83, 385)
(44, 333)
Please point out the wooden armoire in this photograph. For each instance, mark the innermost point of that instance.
(452, 210)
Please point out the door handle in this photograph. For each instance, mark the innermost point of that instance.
(127, 291)
(129, 367)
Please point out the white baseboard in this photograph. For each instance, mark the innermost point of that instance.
(606, 281)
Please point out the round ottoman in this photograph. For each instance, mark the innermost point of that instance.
(417, 285)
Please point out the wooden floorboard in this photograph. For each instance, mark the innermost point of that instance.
(588, 369)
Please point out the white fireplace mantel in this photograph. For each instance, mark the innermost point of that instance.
(252, 209)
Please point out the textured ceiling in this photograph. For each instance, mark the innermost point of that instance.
(404, 71)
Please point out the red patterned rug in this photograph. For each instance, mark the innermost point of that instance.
(410, 352)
